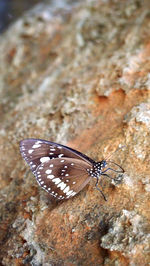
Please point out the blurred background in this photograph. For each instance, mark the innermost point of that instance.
(10, 10)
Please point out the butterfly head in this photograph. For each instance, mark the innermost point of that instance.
(102, 164)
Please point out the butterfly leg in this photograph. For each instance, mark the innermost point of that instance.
(108, 176)
(112, 170)
(100, 189)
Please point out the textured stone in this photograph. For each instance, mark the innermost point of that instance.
(78, 75)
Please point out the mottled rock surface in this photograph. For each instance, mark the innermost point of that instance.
(77, 75)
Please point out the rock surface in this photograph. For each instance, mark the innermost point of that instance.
(77, 75)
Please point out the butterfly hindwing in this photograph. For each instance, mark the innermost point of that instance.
(63, 177)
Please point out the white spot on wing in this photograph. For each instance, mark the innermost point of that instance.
(66, 189)
(50, 176)
(61, 185)
(44, 159)
(38, 142)
(62, 161)
(35, 146)
(70, 192)
(48, 171)
(73, 194)
(60, 155)
(30, 151)
(56, 180)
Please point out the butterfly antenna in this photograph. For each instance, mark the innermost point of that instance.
(119, 148)
(109, 161)
(122, 170)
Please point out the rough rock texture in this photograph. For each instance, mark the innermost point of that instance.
(78, 75)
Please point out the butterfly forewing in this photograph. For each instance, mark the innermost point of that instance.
(63, 177)
(33, 150)
(36, 151)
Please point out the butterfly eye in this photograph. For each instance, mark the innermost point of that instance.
(60, 170)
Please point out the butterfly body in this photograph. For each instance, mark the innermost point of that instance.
(97, 168)
(60, 170)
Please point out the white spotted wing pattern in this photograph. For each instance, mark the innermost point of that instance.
(59, 170)
(63, 178)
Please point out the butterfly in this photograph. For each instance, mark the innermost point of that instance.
(62, 171)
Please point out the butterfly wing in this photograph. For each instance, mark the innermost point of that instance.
(37, 151)
(63, 177)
